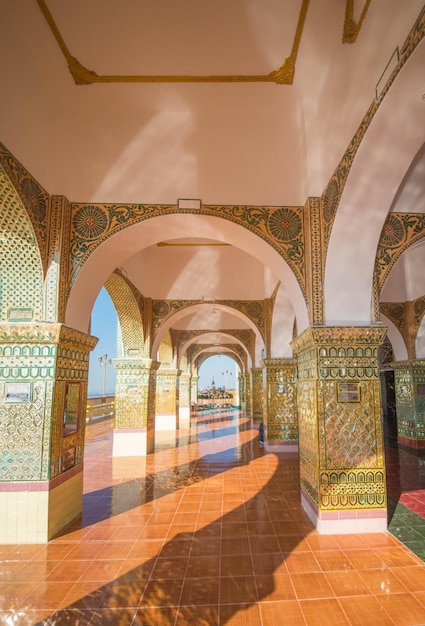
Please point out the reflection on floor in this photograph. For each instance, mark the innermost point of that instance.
(209, 531)
(406, 495)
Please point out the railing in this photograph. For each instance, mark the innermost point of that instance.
(100, 408)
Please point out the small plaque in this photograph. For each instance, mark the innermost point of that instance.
(20, 315)
(420, 389)
(348, 392)
(18, 393)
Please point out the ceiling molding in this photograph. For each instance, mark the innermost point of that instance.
(284, 75)
(351, 28)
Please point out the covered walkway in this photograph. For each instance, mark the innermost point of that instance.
(208, 530)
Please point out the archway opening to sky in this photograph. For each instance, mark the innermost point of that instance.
(218, 368)
(104, 325)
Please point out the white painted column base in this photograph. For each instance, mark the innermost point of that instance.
(165, 422)
(184, 417)
(129, 442)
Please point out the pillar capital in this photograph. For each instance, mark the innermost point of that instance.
(341, 336)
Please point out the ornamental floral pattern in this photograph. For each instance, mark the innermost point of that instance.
(285, 224)
(280, 227)
(393, 232)
(90, 222)
(400, 231)
(35, 198)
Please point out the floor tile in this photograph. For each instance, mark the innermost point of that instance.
(211, 532)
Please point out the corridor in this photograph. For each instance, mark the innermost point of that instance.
(208, 530)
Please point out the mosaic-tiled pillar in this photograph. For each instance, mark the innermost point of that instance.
(241, 392)
(280, 404)
(134, 427)
(342, 463)
(257, 393)
(43, 395)
(246, 394)
(409, 377)
(194, 392)
(184, 400)
(166, 399)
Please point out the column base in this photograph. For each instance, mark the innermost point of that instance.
(281, 446)
(131, 442)
(345, 522)
(35, 512)
(184, 417)
(166, 422)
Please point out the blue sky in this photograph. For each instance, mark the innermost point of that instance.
(104, 326)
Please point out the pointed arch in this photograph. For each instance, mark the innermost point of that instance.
(129, 317)
(382, 160)
(21, 268)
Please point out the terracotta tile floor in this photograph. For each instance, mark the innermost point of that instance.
(209, 531)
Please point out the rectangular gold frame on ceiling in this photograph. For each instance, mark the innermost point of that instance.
(284, 75)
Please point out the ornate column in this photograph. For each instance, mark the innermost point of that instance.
(43, 395)
(166, 399)
(257, 393)
(247, 390)
(134, 428)
(184, 400)
(342, 463)
(409, 377)
(280, 404)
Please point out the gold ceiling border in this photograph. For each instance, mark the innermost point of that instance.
(284, 75)
(351, 29)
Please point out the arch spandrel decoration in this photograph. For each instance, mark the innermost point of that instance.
(333, 192)
(163, 310)
(244, 335)
(407, 317)
(125, 300)
(202, 352)
(21, 268)
(400, 231)
(34, 198)
(281, 227)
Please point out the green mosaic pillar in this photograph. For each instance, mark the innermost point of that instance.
(184, 400)
(134, 427)
(43, 395)
(166, 408)
(246, 394)
(194, 392)
(257, 393)
(409, 379)
(280, 404)
(342, 466)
